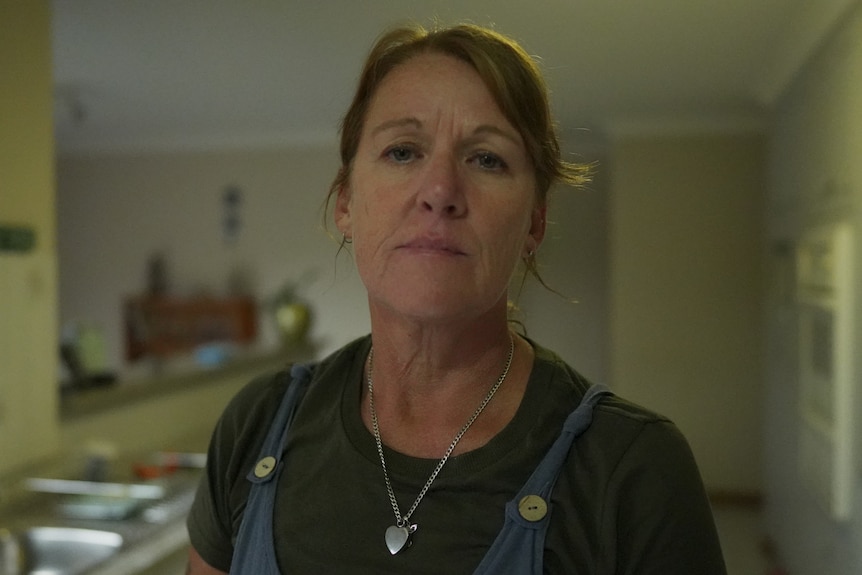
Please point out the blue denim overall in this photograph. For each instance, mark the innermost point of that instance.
(518, 548)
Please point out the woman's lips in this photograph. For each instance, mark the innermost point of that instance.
(439, 245)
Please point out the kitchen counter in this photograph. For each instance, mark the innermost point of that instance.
(155, 531)
(86, 402)
(152, 543)
(131, 422)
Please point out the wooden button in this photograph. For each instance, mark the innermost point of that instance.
(264, 467)
(532, 508)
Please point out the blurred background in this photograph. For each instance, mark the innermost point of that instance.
(163, 166)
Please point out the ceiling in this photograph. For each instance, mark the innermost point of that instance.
(179, 74)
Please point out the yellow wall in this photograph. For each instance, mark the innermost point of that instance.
(28, 282)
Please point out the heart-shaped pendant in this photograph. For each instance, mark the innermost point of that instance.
(398, 537)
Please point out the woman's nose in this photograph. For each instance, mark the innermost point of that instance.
(441, 189)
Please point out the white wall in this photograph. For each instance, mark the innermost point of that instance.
(815, 177)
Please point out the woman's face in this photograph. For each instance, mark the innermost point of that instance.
(440, 203)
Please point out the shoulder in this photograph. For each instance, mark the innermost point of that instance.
(642, 449)
(243, 425)
(655, 512)
(636, 487)
(632, 428)
(569, 386)
(258, 401)
(621, 430)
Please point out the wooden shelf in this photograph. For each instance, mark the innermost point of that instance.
(161, 327)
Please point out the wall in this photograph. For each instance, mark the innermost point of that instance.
(685, 292)
(815, 177)
(28, 282)
(117, 211)
(573, 260)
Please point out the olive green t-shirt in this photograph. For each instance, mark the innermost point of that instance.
(628, 501)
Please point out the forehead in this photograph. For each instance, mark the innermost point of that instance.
(430, 82)
(430, 63)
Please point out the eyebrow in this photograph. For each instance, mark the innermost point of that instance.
(398, 123)
(416, 123)
(490, 129)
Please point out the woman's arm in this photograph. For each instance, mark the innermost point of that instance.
(663, 522)
(197, 566)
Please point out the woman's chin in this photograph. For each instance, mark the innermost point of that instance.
(439, 309)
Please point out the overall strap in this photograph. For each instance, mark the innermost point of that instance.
(254, 551)
(519, 547)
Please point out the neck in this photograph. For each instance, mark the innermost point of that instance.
(420, 353)
(428, 384)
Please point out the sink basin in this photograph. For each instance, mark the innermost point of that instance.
(65, 550)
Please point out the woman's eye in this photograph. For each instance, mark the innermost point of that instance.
(489, 161)
(400, 154)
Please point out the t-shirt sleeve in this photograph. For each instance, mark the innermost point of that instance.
(661, 520)
(216, 512)
(208, 533)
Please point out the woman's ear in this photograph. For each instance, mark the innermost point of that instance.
(341, 214)
(537, 229)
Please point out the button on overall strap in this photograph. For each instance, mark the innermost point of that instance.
(519, 547)
(254, 551)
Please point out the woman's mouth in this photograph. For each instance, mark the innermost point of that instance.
(434, 245)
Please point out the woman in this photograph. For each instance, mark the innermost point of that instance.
(444, 442)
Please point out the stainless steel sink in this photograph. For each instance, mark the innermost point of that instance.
(63, 527)
(65, 550)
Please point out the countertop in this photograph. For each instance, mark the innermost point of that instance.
(83, 403)
(152, 533)
(169, 413)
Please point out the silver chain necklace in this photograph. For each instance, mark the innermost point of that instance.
(398, 535)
